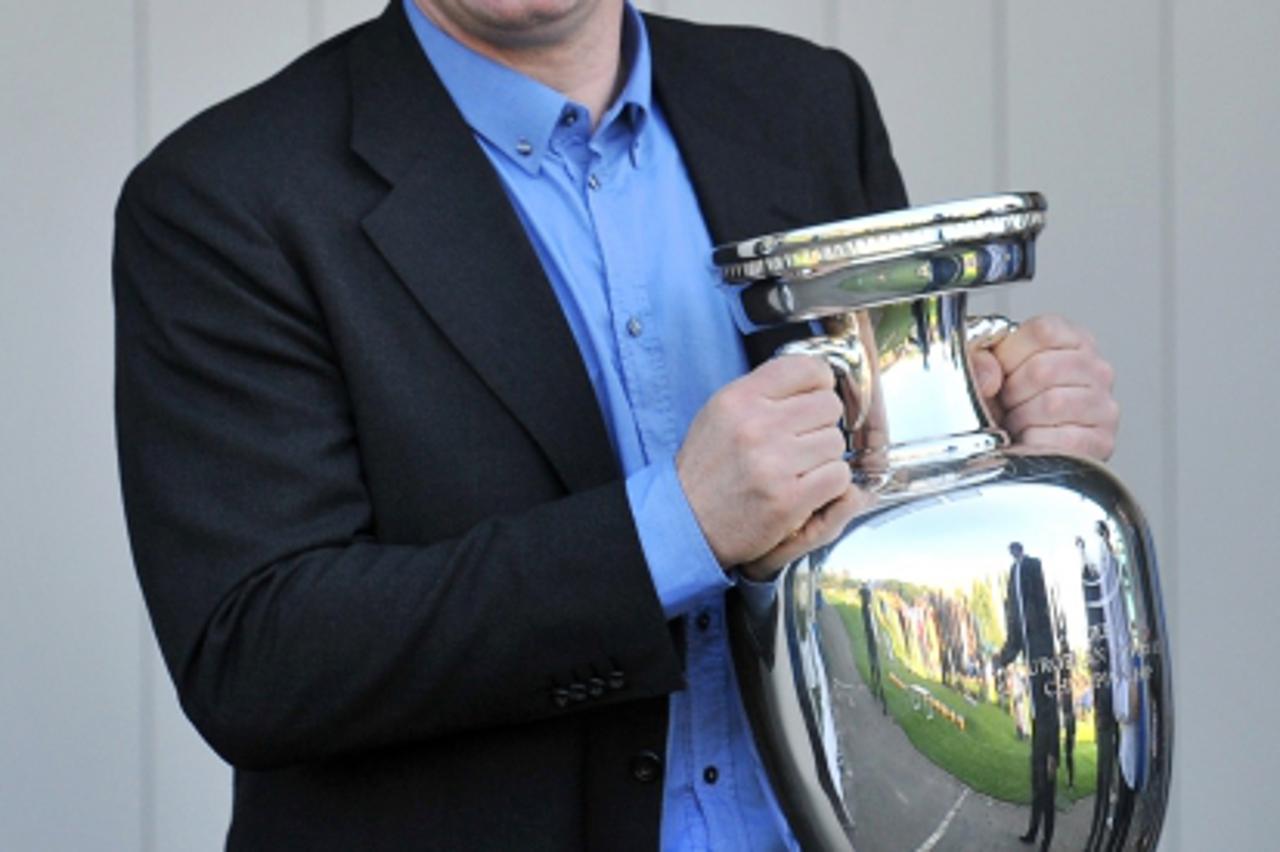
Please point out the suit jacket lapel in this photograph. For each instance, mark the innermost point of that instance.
(448, 230)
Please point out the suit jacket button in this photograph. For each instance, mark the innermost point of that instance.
(560, 696)
(595, 687)
(646, 767)
(617, 680)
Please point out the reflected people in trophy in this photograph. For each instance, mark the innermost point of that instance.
(1030, 634)
(874, 682)
(1118, 687)
(1066, 697)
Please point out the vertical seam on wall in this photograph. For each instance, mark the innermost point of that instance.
(1168, 345)
(1167, 266)
(146, 682)
(1000, 115)
(831, 22)
(141, 70)
(315, 21)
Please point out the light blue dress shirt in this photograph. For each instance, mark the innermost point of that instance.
(614, 219)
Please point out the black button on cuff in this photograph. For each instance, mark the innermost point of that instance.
(646, 767)
(595, 687)
(577, 692)
(560, 697)
(617, 680)
(711, 775)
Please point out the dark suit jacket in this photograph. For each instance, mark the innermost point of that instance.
(381, 533)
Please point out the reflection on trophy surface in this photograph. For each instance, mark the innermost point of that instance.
(979, 661)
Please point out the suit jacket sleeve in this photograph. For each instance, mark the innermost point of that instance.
(292, 632)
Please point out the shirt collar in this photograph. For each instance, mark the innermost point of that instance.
(517, 114)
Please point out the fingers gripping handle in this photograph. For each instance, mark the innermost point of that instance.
(848, 361)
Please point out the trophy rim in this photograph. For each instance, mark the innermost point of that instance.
(820, 249)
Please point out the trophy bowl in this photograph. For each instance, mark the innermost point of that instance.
(979, 661)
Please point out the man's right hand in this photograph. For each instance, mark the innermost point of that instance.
(763, 466)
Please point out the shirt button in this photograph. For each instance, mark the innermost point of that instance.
(569, 118)
(524, 147)
(593, 181)
(711, 775)
(634, 327)
(645, 767)
(704, 620)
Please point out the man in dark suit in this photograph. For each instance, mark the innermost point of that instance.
(371, 468)
(1029, 627)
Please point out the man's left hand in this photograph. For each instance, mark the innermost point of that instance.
(1048, 387)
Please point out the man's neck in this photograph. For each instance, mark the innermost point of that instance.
(585, 64)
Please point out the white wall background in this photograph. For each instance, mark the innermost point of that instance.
(1152, 125)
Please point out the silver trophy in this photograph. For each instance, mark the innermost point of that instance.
(980, 660)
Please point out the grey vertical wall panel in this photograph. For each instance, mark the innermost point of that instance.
(199, 54)
(70, 770)
(1084, 126)
(334, 16)
(191, 785)
(338, 15)
(807, 18)
(1226, 179)
(933, 67)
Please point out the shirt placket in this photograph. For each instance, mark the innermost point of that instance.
(640, 353)
(713, 767)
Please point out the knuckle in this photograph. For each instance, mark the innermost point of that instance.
(821, 372)
(836, 478)
(762, 472)
(1106, 373)
(1112, 411)
(1052, 404)
(1053, 330)
(835, 443)
(832, 407)
(1057, 405)
(1078, 441)
(1039, 329)
(724, 403)
(1039, 372)
(750, 434)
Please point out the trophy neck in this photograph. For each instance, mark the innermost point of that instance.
(916, 403)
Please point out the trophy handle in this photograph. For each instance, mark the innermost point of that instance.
(845, 352)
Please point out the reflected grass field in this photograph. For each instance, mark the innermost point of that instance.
(987, 755)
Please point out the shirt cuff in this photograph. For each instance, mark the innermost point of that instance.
(758, 595)
(680, 561)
